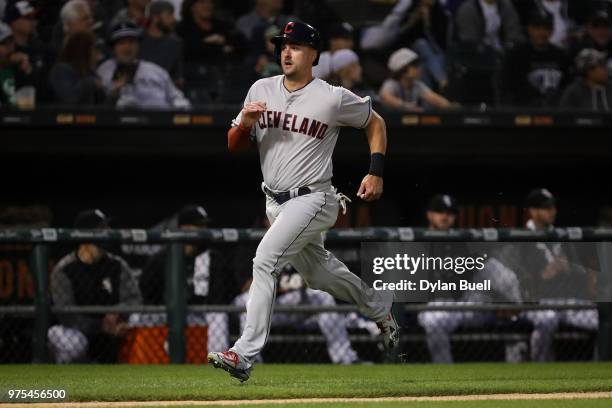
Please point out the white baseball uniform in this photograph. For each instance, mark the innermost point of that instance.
(296, 137)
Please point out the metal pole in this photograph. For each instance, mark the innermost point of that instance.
(604, 337)
(604, 285)
(42, 305)
(176, 304)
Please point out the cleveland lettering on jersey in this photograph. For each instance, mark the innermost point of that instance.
(297, 133)
(292, 123)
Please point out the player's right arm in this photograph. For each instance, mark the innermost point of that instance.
(239, 137)
(371, 186)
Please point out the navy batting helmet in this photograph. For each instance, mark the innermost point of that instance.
(300, 33)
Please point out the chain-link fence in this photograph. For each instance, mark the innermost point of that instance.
(155, 303)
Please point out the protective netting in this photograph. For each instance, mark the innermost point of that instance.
(109, 305)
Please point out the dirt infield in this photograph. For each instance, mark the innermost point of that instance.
(483, 397)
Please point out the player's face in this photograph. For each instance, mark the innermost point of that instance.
(440, 220)
(296, 59)
(126, 50)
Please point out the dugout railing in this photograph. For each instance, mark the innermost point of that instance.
(176, 308)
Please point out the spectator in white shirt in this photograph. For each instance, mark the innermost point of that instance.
(135, 83)
(404, 90)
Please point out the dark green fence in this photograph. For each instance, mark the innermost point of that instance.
(177, 309)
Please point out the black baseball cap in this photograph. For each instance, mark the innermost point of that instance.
(341, 30)
(540, 198)
(124, 29)
(298, 32)
(17, 9)
(158, 7)
(588, 59)
(91, 219)
(193, 215)
(600, 18)
(443, 203)
(541, 19)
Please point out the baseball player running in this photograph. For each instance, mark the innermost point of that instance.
(295, 120)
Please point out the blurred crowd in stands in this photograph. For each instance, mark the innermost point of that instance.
(424, 54)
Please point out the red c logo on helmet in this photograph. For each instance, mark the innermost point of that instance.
(289, 27)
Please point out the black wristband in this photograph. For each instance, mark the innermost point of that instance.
(377, 164)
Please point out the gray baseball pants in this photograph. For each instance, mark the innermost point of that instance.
(296, 237)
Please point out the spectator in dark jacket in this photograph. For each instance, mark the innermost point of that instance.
(134, 12)
(263, 61)
(494, 23)
(206, 38)
(592, 89)
(15, 68)
(265, 13)
(564, 13)
(21, 17)
(425, 31)
(535, 72)
(598, 36)
(160, 44)
(73, 79)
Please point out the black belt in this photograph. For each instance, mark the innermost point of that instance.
(285, 196)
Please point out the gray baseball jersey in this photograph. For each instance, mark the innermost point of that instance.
(296, 138)
(297, 134)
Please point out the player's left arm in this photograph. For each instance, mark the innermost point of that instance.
(371, 187)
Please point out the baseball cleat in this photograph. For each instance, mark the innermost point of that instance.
(230, 362)
(390, 332)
